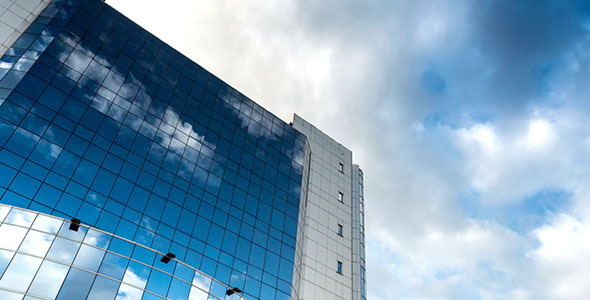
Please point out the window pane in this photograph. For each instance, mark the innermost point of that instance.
(36, 243)
(46, 224)
(76, 285)
(5, 257)
(97, 238)
(6, 295)
(11, 236)
(197, 294)
(3, 212)
(103, 289)
(20, 217)
(89, 258)
(158, 283)
(136, 274)
(20, 272)
(127, 292)
(178, 290)
(48, 279)
(114, 266)
(202, 281)
(63, 250)
(73, 235)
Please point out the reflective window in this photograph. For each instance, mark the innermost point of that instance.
(4, 210)
(11, 236)
(114, 266)
(89, 258)
(47, 224)
(63, 250)
(36, 243)
(20, 272)
(6, 295)
(103, 288)
(103, 122)
(49, 279)
(5, 258)
(128, 292)
(76, 285)
(20, 217)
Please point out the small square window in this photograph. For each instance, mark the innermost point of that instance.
(339, 268)
(339, 230)
(340, 197)
(341, 168)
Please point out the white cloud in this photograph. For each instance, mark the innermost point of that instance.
(352, 69)
(561, 259)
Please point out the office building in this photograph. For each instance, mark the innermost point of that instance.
(128, 171)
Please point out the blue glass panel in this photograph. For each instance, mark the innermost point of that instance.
(114, 266)
(158, 282)
(48, 280)
(63, 250)
(103, 289)
(178, 290)
(76, 285)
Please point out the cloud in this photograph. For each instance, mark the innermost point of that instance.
(561, 257)
(468, 119)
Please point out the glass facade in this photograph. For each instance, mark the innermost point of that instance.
(42, 258)
(101, 121)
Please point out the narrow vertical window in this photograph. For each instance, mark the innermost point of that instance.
(339, 230)
(340, 197)
(341, 168)
(339, 268)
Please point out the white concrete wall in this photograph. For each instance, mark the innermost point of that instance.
(15, 17)
(322, 246)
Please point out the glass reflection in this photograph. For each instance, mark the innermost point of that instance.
(47, 224)
(136, 274)
(197, 294)
(48, 279)
(6, 295)
(89, 258)
(217, 290)
(70, 234)
(97, 238)
(201, 281)
(127, 292)
(5, 257)
(158, 282)
(103, 289)
(36, 243)
(76, 285)
(20, 217)
(3, 212)
(11, 236)
(63, 250)
(114, 266)
(178, 290)
(20, 272)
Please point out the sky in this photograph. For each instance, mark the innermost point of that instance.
(469, 119)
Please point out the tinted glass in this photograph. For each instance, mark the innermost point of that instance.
(108, 124)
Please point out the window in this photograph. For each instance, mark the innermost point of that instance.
(339, 268)
(341, 168)
(340, 197)
(339, 230)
